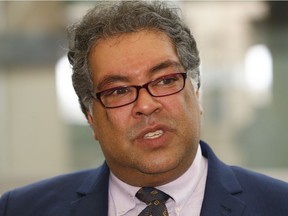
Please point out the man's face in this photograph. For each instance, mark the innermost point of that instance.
(153, 140)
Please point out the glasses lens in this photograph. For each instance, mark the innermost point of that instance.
(167, 85)
(118, 96)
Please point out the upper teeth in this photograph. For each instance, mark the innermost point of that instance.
(153, 135)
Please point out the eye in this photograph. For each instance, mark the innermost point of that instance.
(119, 91)
(166, 81)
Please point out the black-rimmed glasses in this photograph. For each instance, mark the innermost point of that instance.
(124, 95)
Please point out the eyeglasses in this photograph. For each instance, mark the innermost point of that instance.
(124, 95)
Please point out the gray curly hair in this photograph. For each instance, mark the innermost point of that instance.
(108, 19)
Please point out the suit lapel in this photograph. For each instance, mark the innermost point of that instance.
(222, 188)
(220, 199)
(93, 195)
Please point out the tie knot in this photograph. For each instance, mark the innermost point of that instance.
(150, 194)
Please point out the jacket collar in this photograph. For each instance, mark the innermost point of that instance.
(220, 199)
(93, 194)
(222, 188)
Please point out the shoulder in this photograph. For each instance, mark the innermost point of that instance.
(61, 183)
(260, 183)
(257, 193)
(251, 182)
(246, 178)
(263, 195)
(52, 194)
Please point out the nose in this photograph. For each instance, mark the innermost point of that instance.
(145, 104)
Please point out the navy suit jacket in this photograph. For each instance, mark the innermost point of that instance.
(229, 191)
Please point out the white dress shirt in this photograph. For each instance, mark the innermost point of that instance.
(187, 192)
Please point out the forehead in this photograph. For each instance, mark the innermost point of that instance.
(130, 53)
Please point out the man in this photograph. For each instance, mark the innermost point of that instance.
(136, 73)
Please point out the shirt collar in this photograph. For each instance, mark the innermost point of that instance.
(126, 199)
(191, 179)
(123, 195)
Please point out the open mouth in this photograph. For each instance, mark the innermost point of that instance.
(154, 134)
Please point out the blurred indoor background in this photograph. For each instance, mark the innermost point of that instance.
(244, 51)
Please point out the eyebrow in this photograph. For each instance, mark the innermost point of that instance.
(120, 78)
(164, 65)
(110, 79)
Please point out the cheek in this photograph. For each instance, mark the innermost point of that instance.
(187, 103)
(108, 122)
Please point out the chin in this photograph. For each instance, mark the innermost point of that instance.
(159, 167)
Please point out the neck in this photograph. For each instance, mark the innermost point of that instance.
(141, 179)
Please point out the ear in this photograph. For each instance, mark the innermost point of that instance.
(199, 103)
(197, 95)
(90, 118)
(91, 121)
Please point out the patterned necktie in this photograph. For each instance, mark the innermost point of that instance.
(155, 200)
